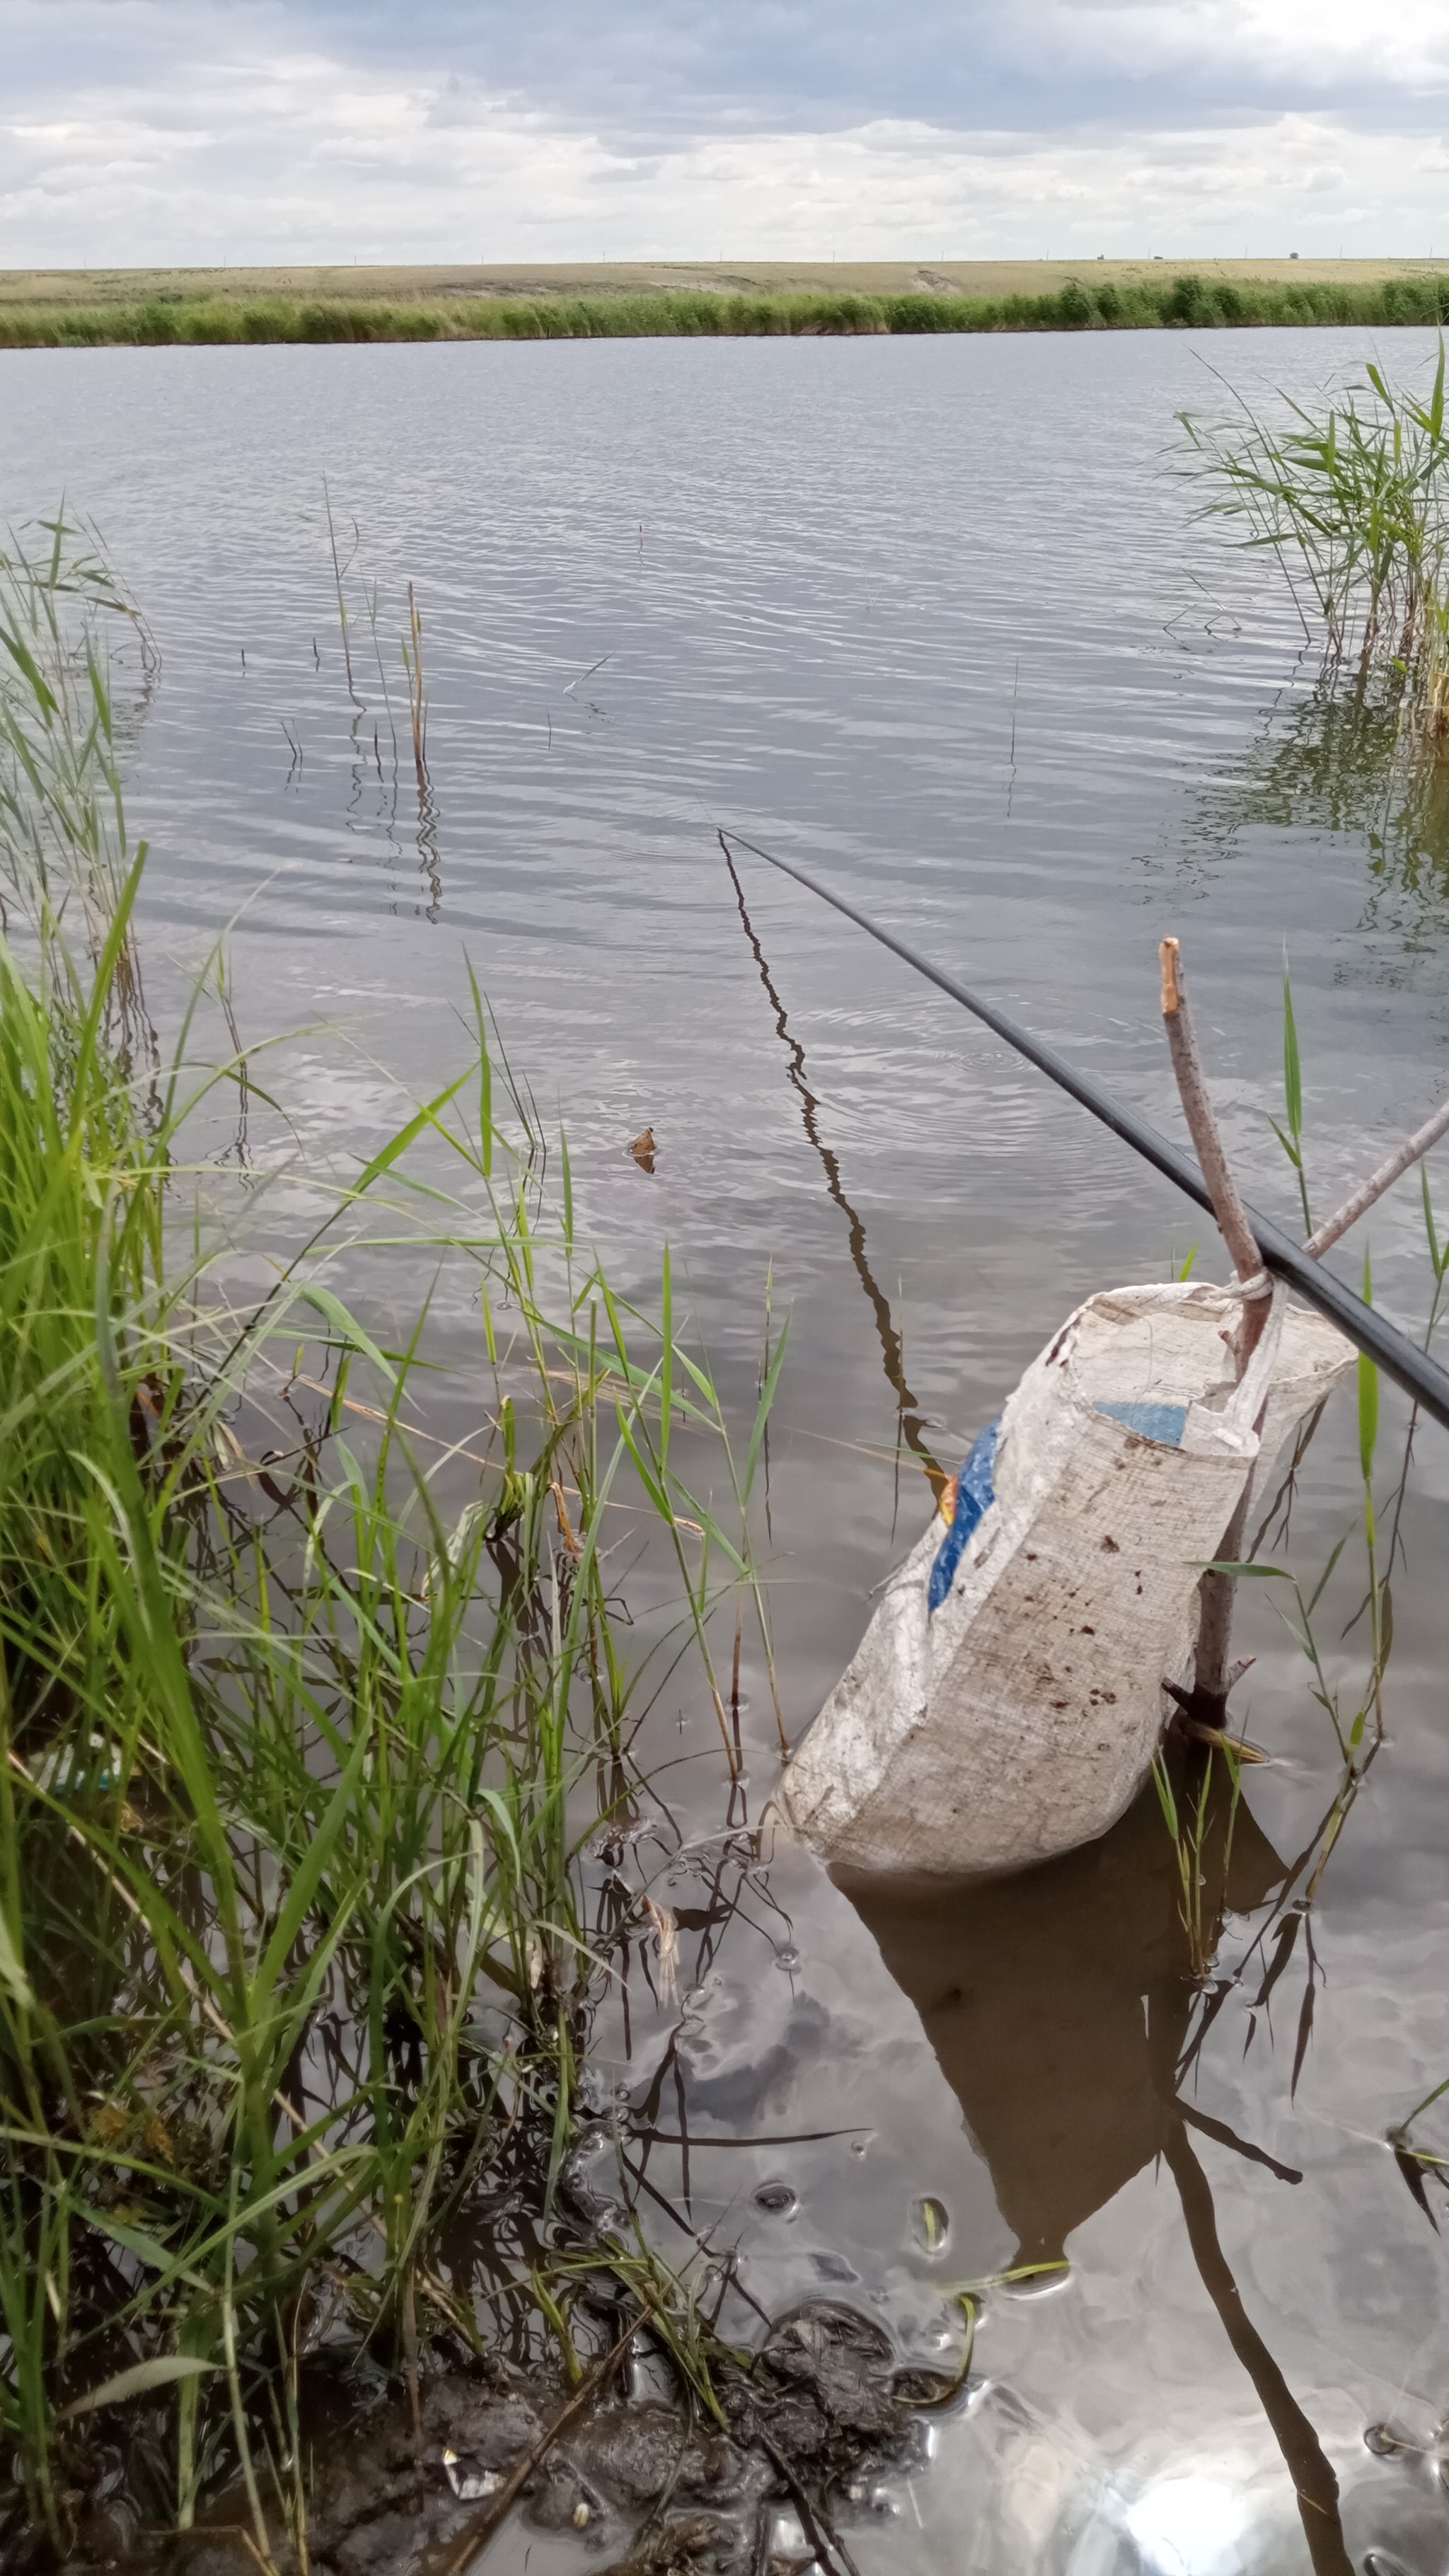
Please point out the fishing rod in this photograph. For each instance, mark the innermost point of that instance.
(1372, 1333)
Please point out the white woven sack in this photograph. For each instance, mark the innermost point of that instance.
(1020, 1717)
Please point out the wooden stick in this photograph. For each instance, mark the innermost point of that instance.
(1233, 1225)
(1215, 1618)
(481, 2527)
(1383, 1179)
(1215, 1622)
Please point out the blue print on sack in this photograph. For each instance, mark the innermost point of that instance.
(974, 1497)
(1164, 1423)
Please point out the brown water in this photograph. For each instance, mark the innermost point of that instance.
(934, 617)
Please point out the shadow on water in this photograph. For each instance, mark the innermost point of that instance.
(1058, 2004)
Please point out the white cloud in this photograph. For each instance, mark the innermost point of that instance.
(1312, 44)
(246, 146)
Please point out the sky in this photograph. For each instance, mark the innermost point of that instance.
(187, 132)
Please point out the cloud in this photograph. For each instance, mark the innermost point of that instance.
(140, 131)
(968, 63)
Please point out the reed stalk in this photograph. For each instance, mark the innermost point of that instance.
(1174, 303)
(297, 1752)
(1353, 501)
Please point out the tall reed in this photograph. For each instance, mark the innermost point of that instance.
(1353, 500)
(1185, 302)
(297, 1748)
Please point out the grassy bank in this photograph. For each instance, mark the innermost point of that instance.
(307, 1706)
(1181, 301)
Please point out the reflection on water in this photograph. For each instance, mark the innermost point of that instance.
(1338, 761)
(1058, 2004)
(912, 1426)
(917, 612)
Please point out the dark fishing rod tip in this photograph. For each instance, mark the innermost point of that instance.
(1420, 1377)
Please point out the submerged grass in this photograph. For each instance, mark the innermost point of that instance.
(295, 1763)
(1185, 302)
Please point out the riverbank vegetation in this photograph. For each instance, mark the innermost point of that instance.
(1351, 496)
(1183, 301)
(309, 1707)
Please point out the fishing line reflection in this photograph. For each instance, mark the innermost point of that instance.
(910, 1419)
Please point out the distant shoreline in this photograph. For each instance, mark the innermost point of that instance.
(78, 308)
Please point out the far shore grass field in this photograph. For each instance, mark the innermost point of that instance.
(78, 307)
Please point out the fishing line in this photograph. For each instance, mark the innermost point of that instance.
(1372, 1333)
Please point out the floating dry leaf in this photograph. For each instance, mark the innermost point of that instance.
(668, 1931)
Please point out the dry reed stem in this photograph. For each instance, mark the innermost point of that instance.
(486, 2524)
(1365, 1196)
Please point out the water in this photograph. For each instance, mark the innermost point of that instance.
(933, 616)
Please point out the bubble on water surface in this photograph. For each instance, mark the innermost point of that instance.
(930, 2224)
(834, 2267)
(788, 1959)
(777, 2200)
(1038, 2285)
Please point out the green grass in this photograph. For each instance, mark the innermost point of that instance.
(1352, 499)
(1179, 303)
(1351, 1696)
(298, 1749)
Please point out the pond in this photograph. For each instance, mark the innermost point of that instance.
(935, 618)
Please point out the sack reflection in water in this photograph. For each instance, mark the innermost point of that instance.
(1058, 2002)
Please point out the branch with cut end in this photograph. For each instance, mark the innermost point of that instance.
(1228, 1208)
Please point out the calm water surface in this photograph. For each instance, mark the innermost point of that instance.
(935, 617)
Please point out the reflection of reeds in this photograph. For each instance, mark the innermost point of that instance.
(1338, 760)
(288, 1751)
(338, 570)
(413, 665)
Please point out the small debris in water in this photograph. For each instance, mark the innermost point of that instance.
(581, 2516)
(665, 1926)
(788, 1959)
(469, 2483)
(642, 1148)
